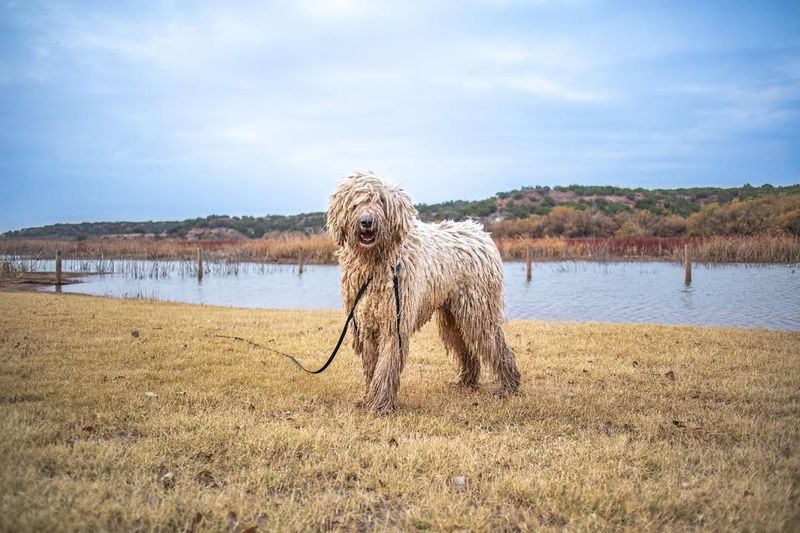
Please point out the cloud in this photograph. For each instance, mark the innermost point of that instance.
(531, 84)
(553, 70)
(173, 43)
(339, 11)
(745, 106)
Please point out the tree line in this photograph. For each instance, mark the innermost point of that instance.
(539, 211)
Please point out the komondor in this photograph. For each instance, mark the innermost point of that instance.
(451, 268)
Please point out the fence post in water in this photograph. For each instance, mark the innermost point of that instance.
(687, 265)
(528, 264)
(300, 263)
(58, 267)
(199, 264)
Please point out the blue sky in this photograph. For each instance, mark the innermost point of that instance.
(168, 110)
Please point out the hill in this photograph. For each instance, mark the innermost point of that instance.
(523, 204)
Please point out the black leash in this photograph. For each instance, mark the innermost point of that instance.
(335, 350)
(350, 318)
(396, 283)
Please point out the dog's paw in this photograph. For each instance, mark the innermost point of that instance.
(460, 385)
(504, 392)
(386, 410)
(380, 409)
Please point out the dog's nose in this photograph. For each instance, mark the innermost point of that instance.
(366, 222)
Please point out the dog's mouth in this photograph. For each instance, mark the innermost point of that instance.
(366, 237)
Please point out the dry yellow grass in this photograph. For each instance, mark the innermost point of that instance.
(601, 437)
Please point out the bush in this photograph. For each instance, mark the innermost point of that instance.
(631, 228)
(759, 215)
(789, 222)
(669, 226)
(568, 221)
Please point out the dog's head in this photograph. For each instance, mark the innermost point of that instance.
(368, 215)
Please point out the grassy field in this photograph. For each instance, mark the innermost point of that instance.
(133, 416)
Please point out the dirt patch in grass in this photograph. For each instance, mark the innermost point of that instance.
(170, 428)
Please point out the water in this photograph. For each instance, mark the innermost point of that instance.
(764, 296)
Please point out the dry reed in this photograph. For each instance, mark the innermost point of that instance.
(320, 249)
(760, 249)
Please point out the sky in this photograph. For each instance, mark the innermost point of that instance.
(134, 110)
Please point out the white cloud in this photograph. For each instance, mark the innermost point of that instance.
(528, 3)
(178, 45)
(532, 84)
(744, 106)
(548, 69)
(336, 9)
(560, 55)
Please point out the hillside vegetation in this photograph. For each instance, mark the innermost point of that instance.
(573, 211)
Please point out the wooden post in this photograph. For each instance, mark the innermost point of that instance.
(300, 263)
(528, 264)
(58, 267)
(199, 264)
(687, 265)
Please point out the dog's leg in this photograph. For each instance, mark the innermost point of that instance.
(469, 365)
(357, 337)
(369, 358)
(480, 324)
(491, 344)
(381, 393)
(505, 365)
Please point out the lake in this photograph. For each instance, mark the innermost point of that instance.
(762, 296)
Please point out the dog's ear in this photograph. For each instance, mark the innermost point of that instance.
(399, 211)
(336, 215)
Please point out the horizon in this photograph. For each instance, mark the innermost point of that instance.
(175, 111)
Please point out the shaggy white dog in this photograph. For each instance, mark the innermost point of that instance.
(451, 268)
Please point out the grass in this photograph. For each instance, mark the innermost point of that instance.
(618, 427)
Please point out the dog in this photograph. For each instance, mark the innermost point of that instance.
(451, 269)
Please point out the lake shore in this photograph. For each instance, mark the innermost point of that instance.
(119, 414)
